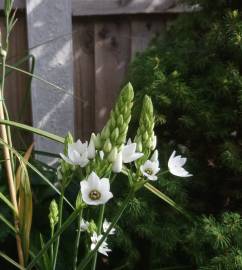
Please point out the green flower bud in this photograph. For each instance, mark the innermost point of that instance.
(97, 141)
(145, 133)
(53, 214)
(117, 125)
(68, 140)
(114, 135)
(107, 146)
(92, 227)
(113, 155)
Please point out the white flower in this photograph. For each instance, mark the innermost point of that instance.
(129, 154)
(150, 169)
(175, 164)
(106, 225)
(103, 247)
(84, 225)
(95, 191)
(77, 154)
(118, 163)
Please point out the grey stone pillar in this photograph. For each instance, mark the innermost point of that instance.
(49, 25)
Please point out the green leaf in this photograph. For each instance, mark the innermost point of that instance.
(34, 130)
(7, 202)
(6, 222)
(35, 170)
(166, 199)
(7, 258)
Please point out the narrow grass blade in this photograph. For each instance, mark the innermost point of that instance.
(35, 170)
(7, 202)
(64, 226)
(7, 258)
(7, 223)
(166, 199)
(34, 130)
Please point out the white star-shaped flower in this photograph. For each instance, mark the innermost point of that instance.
(149, 169)
(129, 154)
(106, 225)
(175, 164)
(77, 154)
(95, 191)
(103, 247)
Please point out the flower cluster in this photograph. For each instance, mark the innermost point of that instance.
(107, 154)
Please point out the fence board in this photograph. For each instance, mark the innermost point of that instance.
(143, 31)
(114, 7)
(16, 91)
(84, 80)
(112, 55)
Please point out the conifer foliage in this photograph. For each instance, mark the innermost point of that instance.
(193, 74)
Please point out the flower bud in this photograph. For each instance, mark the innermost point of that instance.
(154, 157)
(53, 214)
(145, 133)
(91, 147)
(92, 227)
(116, 128)
(112, 155)
(118, 163)
(107, 146)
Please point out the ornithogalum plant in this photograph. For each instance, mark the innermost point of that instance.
(95, 164)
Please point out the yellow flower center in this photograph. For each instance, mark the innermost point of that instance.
(94, 195)
(149, 171)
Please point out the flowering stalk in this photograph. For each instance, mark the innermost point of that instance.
(6, 136)
(99, 229)
(89, 256)
(77, 242)
(59, 227)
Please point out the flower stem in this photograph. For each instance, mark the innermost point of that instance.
(59, 226)
(89, 256)
(77, 242)
(99, 229)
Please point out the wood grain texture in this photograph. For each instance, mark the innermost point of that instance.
(143, 30)
(16, 90)
(112, 55)
(112, 7)
(84, 79)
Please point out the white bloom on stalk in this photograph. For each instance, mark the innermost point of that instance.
(128, 152)
(118, 163)
(84, 225)
(106, 225)
(77, 154)
(150, 169)
(95, 191)
(103, 247)
(175, 165)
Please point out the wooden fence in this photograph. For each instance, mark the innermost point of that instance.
(103, 46)
(103, 49)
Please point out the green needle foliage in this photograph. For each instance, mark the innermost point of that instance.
(193, 76)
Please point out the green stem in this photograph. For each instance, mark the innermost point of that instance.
(99, 230)
(59, 226)
(89, 256)
(52, 246)
(77, 242)
(64, 226)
